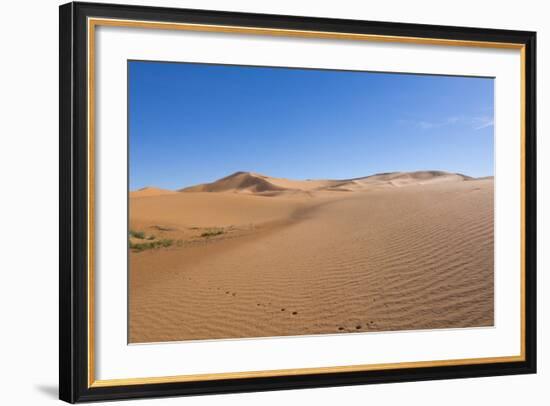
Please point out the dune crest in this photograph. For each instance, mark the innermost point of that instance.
(238, 181)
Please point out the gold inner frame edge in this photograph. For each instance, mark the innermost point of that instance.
(93, 22)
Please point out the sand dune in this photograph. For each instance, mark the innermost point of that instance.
(203, 209)
(400, 251)
(397, 179)
(151, 191)
(249, 182)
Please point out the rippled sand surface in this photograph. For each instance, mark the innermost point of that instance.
(399, 253)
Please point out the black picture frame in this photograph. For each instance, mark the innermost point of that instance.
(74, 385)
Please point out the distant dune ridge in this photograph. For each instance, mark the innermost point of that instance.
(249, 182)
(251, 255)
(150, 191)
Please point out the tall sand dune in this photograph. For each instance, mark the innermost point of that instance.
(249, 182)
(399, 251)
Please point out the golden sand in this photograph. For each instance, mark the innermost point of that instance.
(253, 256)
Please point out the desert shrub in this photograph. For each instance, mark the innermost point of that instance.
(138, 247)
(212, 232)
(137, 234)
(165, 243)
(142, 246)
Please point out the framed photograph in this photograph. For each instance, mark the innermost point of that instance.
(256, 202)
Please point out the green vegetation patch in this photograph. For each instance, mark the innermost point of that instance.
(212, 232)
(140, 235)
(149, 241)
(142, 246)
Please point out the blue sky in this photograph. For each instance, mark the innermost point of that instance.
(195, 123)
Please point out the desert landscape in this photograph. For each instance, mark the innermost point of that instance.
(253, 256)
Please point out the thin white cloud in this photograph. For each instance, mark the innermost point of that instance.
(475, 123)
(426, 125)
(483, 122)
